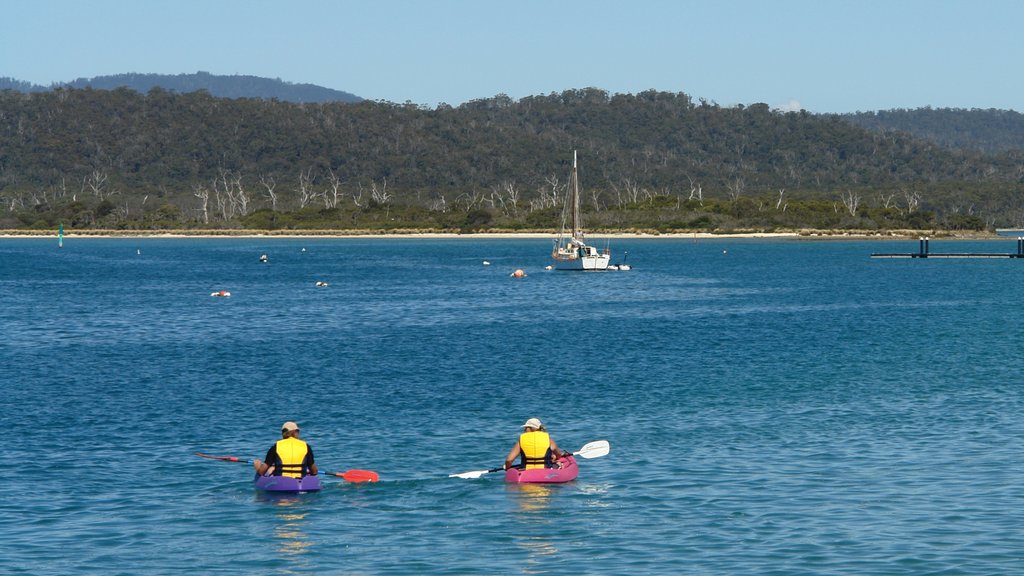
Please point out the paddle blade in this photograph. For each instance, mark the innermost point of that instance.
(223, 458)
(474, 473)
(594, 449)
(357, 475)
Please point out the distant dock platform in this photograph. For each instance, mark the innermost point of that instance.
(925, 252)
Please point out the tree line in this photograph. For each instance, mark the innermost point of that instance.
(121, 159)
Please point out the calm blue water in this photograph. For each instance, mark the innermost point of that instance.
(773, 407)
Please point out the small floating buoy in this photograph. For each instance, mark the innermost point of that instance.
(486, 263)
(303, 249)
(138, 251)
(725, 251)
(321, 284)
(519, 274)
(263, 258)
(549, 267)
(222, 293)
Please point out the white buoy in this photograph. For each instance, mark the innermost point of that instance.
(486, 263)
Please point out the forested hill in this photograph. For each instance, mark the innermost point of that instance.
(189, 153)
(233, 86)
(985, 130)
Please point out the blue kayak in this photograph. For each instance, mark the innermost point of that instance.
(287, 483)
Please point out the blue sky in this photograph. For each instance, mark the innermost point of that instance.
(824, 55)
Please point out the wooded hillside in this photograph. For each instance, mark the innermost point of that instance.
(983, 130)
(121, 159)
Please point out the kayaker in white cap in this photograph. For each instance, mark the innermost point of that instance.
(289, 456)
(535, 448)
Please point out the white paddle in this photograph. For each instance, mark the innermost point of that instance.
(593, 449)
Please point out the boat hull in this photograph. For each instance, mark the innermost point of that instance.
(567, 473)
(584, 263)
(287, 483)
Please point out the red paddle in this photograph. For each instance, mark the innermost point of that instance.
(351, 475)
(356, 475)
(224, 458)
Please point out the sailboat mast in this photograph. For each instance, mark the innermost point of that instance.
(574, 198)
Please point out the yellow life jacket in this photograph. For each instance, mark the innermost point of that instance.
(535, 448)
(291, 456)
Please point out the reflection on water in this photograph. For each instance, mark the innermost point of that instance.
(292, 542)
(531, 497)
(532, 502)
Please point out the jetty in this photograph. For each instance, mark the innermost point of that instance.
(924, 252)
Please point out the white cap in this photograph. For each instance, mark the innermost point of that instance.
(289, 426)
(533, 423)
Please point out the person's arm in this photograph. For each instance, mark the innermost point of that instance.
(311, 464)
(512, 455)
(262, 468)
(555, 450)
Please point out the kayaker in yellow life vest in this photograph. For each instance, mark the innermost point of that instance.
(535, 448)
(289, 456)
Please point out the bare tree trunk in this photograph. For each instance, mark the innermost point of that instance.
(735, 188)
(204, 201)
(380, 195)
(268, 185)
(306, 192)
(913, 200)
(334, 183)
(851, 201)
(696, 191)
(95, 181)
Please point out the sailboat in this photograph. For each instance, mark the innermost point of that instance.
(60, 236)
(570, 251)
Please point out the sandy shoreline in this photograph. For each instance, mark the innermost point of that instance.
(802, 234)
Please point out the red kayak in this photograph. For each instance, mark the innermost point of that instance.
(566, 470)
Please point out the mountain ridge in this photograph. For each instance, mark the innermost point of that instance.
(221, 86)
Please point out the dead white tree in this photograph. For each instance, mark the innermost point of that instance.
(237, 195)
(334, 187)
(199, 191)
(547, 194)
(269, 184)
(507, 196)
(95, 181)
(471, 200)
(735, 188)
(305, 189)
(380, 195)
(696, 191)
(779, 203)
(913, 200)
(220, 199)
(886, 200)
(438, 204)
(629, 193)
(850, 201)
